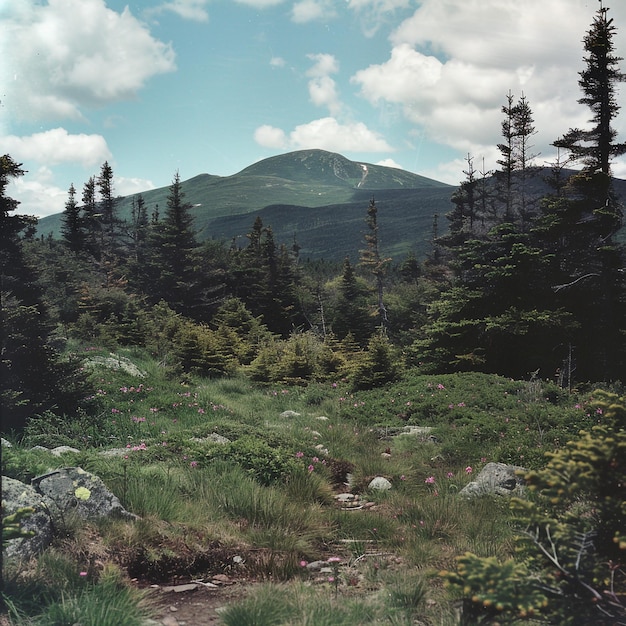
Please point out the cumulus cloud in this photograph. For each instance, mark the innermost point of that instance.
(58, 146)
(69, 54)
(326, 134)
(278, 62)
(311, 10)
(389, 163)
(187, 9)
(452, 63)
(270, 137)
(322, 88)
(130, 186)
(37, 193)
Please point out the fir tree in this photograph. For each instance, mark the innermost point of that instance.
(72, 229)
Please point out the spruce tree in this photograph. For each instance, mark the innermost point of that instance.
(579, 227)
(171, 249)
(72, 228)
(32, 376)
(374, 262)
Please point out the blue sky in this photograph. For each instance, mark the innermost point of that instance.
(211, 86)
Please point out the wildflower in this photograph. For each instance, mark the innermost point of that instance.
(299, 455)
(310, 468)
(193, 464)
(303, 564)
(201, 411)
(82, 573)
(483, 459)
(599, 411)
(430, 480)
(440, 386)
(335, 559)
(334, 385)
(331, 579)
(461, 404)
(403, 477)
(450, 474)
(315, 459)
(468, 469)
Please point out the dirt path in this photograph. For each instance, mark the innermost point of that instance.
(195, 604)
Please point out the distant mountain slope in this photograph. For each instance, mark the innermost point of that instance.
(299, 189)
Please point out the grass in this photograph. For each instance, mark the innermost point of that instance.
(266, 492)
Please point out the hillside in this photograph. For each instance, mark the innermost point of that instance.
(318, 196)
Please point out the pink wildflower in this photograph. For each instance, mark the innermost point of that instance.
(430, 480)
(468, 469)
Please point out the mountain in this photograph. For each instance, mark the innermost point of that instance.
(319, 197)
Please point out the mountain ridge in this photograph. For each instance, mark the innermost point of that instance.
(296, 184)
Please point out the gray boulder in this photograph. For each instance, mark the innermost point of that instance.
(74, 489)
(380, 483)
(496, 479)
(17, 495)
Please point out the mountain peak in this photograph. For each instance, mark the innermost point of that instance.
(329, 168)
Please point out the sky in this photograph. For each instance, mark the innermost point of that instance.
(156, 87)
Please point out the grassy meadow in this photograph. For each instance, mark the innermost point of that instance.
(225, 482)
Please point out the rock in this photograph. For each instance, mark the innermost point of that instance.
(321, 449)
(322, 418)
(72, 488)
(181, 588)
(496, 479)
(212, 438)
(17, 495)
(289, 414)
(5, 443)
(60, 450)
(379, 484)
(116, 362)
(346, 497)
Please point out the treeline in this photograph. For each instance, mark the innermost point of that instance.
(520, 282)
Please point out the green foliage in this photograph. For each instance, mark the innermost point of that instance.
(261, 461)
(568, 568)
(11, 525)
(492, 588)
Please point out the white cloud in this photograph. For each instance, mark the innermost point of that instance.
(389, 163)
(278, 62)
(260, 4)
(37, 194)
(374, 13)
(70, 54)
(187, 9)
(325, 133)
(270, 137)
(131, 186)
(310, 10)
(452, 63)
(322, 88)
(58, 146)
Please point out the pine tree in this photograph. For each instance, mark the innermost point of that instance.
(72, 229)
(32, 377)
(579, 226)
(374, 262)
(171, 250)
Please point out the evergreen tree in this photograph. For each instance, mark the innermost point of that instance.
(91, 218)
(374, 262)
(350, 316)
(172, 245)
(72, 228)
(32, 377)
(579, 226)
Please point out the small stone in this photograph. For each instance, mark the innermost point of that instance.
(173, 609)
(322, 418)
(221, 578)
(181, 588)
(289, 414)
